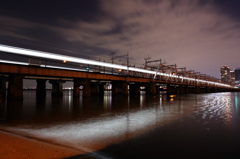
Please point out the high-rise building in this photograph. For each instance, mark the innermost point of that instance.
(225, 74)
(237, 76)
(232, 74)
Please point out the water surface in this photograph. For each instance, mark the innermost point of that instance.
(188, 125)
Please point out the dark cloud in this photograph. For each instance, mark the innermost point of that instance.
(49, 12)
(229, 7)
(199, 34)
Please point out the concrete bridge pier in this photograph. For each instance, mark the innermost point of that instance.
(119, 87)
(114, 88)
(124, 86)
(3, 81)
(219, 90)
(225, 90)
(186, 89)
(151, 88)
(41, 88)
(207, 89)
(169, 89)
(94, 88)
(15, 86)
(86, 87)
(76, 89)
(192, 89)
(197, 89)
(174, 89)
(214, 90)
(100, 87)
(57, 87)
(97, 88)
(181, 89)
(134, 89)
(157, 89)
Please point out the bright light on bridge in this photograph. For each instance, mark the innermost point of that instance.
(27, 52)
(64, 58)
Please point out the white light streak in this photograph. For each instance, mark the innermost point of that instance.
(13, 62)
(27, 52)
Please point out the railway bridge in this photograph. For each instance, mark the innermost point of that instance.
(94, 75)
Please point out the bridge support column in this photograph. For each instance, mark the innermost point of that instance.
(97, 88)
(151, 88)
(220, 90)
(101, 89)
(157, 89)
(134, 89)
(207, 90)
(86, 87)
(119, 87)
(114, 88)
(15, 86)
(192, 89)
(197, 89)
(169, 90)
(186, 89)
(57, 87)
(3, 81)
(214, 89)
(94, 88)
(124, 88)
(41, 88)
(181, 89)
(76, 89)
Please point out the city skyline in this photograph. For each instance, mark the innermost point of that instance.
(198, 35)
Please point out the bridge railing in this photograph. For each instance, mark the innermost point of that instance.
(168, 73)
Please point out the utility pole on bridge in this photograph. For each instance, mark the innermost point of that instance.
(112, 53)
(126, 56)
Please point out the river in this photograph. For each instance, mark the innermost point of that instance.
(161, 126)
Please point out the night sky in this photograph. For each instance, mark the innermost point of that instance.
(201, 35)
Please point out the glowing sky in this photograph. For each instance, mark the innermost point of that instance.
(202, 35)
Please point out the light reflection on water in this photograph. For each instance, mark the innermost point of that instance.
(93, 123)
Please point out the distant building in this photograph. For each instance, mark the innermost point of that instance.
(237, 76)
(232, 73)
(225, 74)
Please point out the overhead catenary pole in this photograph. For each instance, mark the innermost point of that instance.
(127, 63)
(112, 53)
(81, 61)
(146, 60)
(126, 56)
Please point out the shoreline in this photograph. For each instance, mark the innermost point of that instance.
(16, 146)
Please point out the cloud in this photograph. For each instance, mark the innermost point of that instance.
(183, 32)
(14, 27)
(189, 33)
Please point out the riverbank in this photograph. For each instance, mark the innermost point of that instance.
(14, 146)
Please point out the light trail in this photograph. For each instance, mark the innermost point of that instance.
(47, 55)
(13, 62)
(27, 52)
